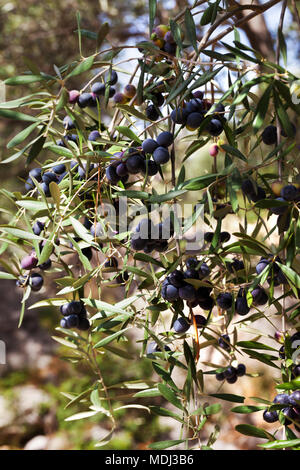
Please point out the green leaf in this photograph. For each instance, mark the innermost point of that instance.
(152, 14)
(234, 151)
(151, 392)
(165, 444)
(282, 46)
(166, 197)
(19, 233)
(84, 66)
(264, 358)
(170, 396)
(21, 136)
(250, 430)
(292, 385)
(36, 148)
(109, 339)
(55, 192)
(24, 79)
(65, 342)
(228, 397)
(82, 415)
(191, 28)
(280, 444)
(254, 345)
(8, 114)
(291, 275)
(245, 409)
(81, 231)
(176, 32)
(160, 411)
(4, 275)
(261, 109)
(129, 133)
(134, 112)
(102, 33)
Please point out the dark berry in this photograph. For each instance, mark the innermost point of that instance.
(263, 263)
(181, 325)
(170, 293)
(149, 145)
(224, 237)
(165, 139)
(208, 237)
(230, 372)
(282, 399)
(187, 292)
(289, 192)
(111, 175)
(46, 265)
(59, 169)
(279, 210)
(48, 177)
(150, 168)
(38, 227)
(240, 370)
(161, 155)
(269, 135)
(134, 164)
(220, 376)
(98, 88)
(36, 282)
(176, 278)
(68, 123)
(138, 243)
(207, 304)
(179, 116)
(200, 321)
(72, 321)
(83, 324)
(215, 127)
(224, 342)
(224, 301)
(29, 262)
(270, 416)
(94, 135)
(85, 99)
(152, 113)
(194, 120)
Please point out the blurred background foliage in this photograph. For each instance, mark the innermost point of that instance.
(31, 403)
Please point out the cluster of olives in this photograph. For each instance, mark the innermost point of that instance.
(30, 262)
(192, 113)
(91, 99)
(276, 275)
(129, 162)
(74, 316)
(149, 237)
(223, 237)
(56, 175)
(287, 194)
(159, 148)
(163, 38)
(176, 287)
(182, 324)
(231, 374)
(129, 92)
(288, 406)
